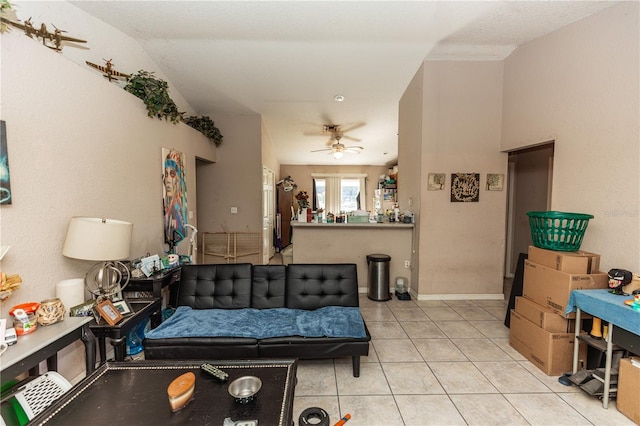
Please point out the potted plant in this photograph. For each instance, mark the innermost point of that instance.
(155, 95)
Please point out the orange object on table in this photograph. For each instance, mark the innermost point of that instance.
(28, 308)
(27, 322)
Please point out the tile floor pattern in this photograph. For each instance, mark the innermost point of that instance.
(443, 363)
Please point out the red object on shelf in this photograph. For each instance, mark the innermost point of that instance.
(28, 308)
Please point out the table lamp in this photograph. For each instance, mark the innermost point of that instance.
(106, 241)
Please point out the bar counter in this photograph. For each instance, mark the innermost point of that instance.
(352, 242)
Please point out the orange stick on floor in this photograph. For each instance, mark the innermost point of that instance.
(343, 420)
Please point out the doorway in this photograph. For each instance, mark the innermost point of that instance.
(268, 213)
(529, 186)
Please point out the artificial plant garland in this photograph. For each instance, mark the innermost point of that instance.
(206, 126)
(154, 93)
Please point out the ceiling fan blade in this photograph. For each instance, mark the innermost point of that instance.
(351, 138)
(314, 134)
(352, 151)
(352, 127)
(355, 148)
(319, 150)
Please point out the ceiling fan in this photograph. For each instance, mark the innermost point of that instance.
(337, 148)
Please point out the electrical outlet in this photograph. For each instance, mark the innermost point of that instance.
(407, 264)
(234, 210)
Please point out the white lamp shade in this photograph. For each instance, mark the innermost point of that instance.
(91, 238)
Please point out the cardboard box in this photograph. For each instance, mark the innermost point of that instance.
(543, 317)
(551, 288)
(629, 389)
(576, 262)
(550, 352)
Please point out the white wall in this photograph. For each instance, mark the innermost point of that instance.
(461, 245)
(410, 172)
(235, 180)
(78, 145)
(580, 87)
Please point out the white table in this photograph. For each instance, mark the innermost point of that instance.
(44, 343)
(610, 308)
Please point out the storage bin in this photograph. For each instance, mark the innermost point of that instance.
(559, 231)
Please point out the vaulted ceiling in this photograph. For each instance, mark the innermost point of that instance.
(287, 60)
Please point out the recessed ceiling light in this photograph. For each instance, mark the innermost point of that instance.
(338, 98)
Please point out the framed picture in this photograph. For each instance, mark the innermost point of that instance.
(495, 182)
(123, 307)
(83, 310)
(5, 179)
(465, 187)
(435, 181)
(109, 312)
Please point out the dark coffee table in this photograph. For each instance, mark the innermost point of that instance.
(135, 393)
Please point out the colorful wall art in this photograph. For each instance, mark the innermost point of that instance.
(174, 190)
(5, 178)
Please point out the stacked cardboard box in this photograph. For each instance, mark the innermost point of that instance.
(538, 329)
(629, 388)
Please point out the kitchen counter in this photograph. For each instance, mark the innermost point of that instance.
(352, 242)
(394, 225)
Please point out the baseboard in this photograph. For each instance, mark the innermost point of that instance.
(497, 296)
(414, 296)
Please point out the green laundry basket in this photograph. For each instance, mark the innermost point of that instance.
(558, 230)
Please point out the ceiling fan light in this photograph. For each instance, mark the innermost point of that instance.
(338, 155)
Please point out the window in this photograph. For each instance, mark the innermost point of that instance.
(339, 193)
(349, 194)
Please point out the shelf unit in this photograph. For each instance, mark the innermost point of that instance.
(612, 352)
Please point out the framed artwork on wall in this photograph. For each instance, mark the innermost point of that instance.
(495, 182)
(5, 178)
(465, 187)
(436, 181)
(174, 196)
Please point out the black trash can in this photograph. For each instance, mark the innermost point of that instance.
(378, 279)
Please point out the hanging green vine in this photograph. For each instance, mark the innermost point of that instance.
(154, 93)
(206, 126)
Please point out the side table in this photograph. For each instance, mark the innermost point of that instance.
(45, 343)
(142, 309)
(611, 308)
(156, 282)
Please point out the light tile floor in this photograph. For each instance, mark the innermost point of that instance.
(443, 363)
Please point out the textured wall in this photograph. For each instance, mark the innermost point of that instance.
(580, 87)
(78, 146)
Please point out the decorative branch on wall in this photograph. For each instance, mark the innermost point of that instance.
(206, 126)
(154, 93)
(465, 187)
